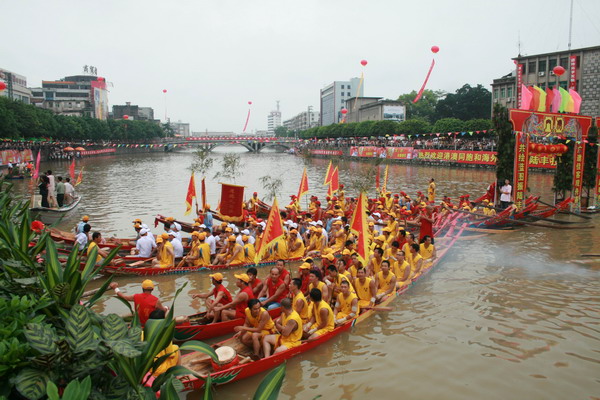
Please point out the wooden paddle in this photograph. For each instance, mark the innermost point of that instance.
(135, 264)
(590, 255)
(568, 212)
(377, 308)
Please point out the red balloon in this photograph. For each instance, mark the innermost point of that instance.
(2, 86)
(435, 49)
(344, 111)
(250, 103)
(100, 79)
(558, 70)
(363, 63)
(164, 90)
(125, 116)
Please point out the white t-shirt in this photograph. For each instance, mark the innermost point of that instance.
(177, 247)
(212, 242)
(69, 189)
(145, 244)
(82, 240)
(506, 192)
(51, 184)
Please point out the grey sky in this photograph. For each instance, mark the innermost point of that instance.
(214, 56)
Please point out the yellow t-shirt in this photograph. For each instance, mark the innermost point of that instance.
(295, 337)
(254, 322)
(346, 305)
(89, 250)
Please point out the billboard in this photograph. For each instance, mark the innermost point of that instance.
(394, 113)
(100, 99)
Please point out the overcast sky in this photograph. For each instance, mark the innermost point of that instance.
(213, 56)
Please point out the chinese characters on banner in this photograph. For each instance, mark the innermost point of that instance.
(232, 197)
(573, 70)
(519, 83)
(459, 156)
(578, 158)
(521, 167)
(15, 156)
(320, 152)
(400, 153)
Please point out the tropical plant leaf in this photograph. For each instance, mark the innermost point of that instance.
(134, 333)
(76, 390)
(196, 345)
(208, 389)
(271, 384)
(175, 371)
(52, 391)
(114, 328)
(42, 338)
(79, 330)
(31, 383)
(124, 348)
(168, 390)
(44, 361)
(118, 389)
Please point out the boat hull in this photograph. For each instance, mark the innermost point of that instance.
(52, 215)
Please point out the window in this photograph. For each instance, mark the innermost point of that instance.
(509, 92)
(348, 94)
(495, 94)
(542, 85)
(542, 66)
(564, 84)
(342, 86)
(531, 67)
(551, 64)
(564, 62)
(502, 93)
(351, 88)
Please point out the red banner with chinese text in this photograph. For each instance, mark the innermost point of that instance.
(320, 152)
(232, 197)
(521, 168)
(458, 156)
(15, 156)
(368, 151)
(573, 70)
(578, 158)
(519, 83)
(400, 153)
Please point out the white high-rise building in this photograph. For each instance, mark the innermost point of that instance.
(333, 99)
(274, 120)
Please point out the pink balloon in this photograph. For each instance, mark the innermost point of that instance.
(435, 49)
(344, 111)
(125, 116)
(164, 90)
(250, 103)
(363, 63)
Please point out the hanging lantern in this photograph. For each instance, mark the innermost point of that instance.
(540, 148)
(344, 111)
(249, 103)
(2, 86)
(532, 147)
(558, 70)
(164, 90)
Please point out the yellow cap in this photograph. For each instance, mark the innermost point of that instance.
(170, 219)
(165, 236)
(217, 276)
(147, 284)
(202, 235)
(371, 223)
(380, 237)
(137, 221)
(231, 238)
(243, 277)
(85, 218)
(329, 256)
(159, 239)
(244, 238)
(305, 266)
(346, 252)
(228, 229)
(195, 233)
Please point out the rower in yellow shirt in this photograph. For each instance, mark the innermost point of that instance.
(299, 302)
(402, 270)
(295, 245)
(291, 328)
(321, 321)
(165, 256)
(431, 191)
(375, 261)
(248, 249)
(365, 289)
(346, 306)
(427, 251)
(236, 254)
(385, 282)
(410, 240)
(257, 325)
(416, 261)
(338, 236)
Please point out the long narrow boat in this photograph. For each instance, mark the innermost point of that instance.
(144, 270)
(202, 365)
(69, 238)
(197, 328)
(51, 215)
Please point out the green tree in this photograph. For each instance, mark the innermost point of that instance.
(424, 108)
(466, 103)
(478, 124)
(414, 126)
(282, 131)
(231, 167)
(382, 128)
(449, 125)
(506, 144)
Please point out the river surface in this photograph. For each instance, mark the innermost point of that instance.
(506, 316)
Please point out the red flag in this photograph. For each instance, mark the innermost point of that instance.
(535, 100)
(232, 199)
(72, 169)
(303, 189)
(335, 180)
(424, 83)
(549, 98)
(191, 193)
(273, 232)
(359, 227)
(328, 174)
(79, 177)
(36, 173)
(203, 193)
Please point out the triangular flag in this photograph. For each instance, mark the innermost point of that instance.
(303, 189)
(576, 101)
(191, 194)
(535, 99)
(549, 98)
(526, 97)
(328, 174)
(79, 177)
(565, 99)
(203, 192)
(385, 179)
(335, 180)
(273, 231)
(72, 170)
(541, 99)
(359, 227)
(36, 173)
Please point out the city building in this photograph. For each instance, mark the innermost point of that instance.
(582, 74)
(362, 109)
(333, 99)
(133, 112)
(274, 120)
(16, 86)
(303, 121)
(180, 128)
(77, 95)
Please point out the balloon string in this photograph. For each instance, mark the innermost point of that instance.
(362, 78)
(247, 119)
(424, 83)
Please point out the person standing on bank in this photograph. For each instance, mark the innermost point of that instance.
(505, 194)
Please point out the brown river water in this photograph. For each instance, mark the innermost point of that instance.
(506, 316)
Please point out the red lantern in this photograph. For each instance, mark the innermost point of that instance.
(2, 86)
(344, 111)
(532, 147)
(249, 103)
(363, 63)
(564, 148)
(552, 149)
(100, 79)
(540, 148)
(558, 70)
(435, 49)
(164, 90)
(125, 116)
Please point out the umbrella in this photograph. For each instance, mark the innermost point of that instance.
(68, 149)
(79, 149)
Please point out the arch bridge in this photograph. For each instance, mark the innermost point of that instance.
(253, 144)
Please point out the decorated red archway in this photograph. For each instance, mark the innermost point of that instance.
(542, 124)
(597, 192)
